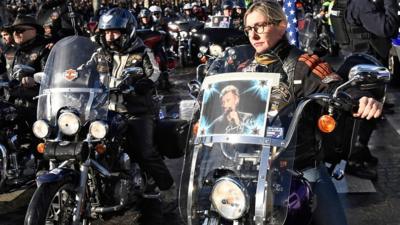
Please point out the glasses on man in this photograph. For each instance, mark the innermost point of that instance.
(22, 30)
(258, 28)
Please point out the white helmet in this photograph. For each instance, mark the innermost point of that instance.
(155, 8)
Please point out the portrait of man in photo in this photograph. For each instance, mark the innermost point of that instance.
(231, 121)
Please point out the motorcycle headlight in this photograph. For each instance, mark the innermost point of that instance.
(229, 198)
(98, 129)
(203, 49)
(41, 129)
(215, 50)
(173, 27)
(183, 34)
(68, 123)
(194, 30)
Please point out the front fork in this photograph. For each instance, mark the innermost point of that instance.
(80, 196)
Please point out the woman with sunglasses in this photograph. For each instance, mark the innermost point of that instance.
(265, 25)
(30, 51)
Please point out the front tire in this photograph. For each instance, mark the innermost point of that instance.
(52, 203)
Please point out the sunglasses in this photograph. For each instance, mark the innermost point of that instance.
(22, 30)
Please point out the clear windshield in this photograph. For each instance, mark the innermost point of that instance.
(241, 140)
(68, 84)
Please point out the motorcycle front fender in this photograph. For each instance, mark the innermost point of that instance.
(58, 174)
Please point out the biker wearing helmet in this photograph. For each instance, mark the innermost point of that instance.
(188, 13)
(121, 49)
(145, 20)
(227, 8)
(156, 13)
(239, 10)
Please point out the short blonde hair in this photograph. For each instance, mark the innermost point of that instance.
(271, 9)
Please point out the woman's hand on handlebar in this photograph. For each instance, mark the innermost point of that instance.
(368, 108)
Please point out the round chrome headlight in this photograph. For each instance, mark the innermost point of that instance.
(68, 123)
(203, 49)
(229, 198)
(41, 129)
(215, 50)
(98, 129)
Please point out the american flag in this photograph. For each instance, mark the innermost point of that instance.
(289, 7)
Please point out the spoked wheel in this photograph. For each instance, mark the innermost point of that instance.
(52, 204)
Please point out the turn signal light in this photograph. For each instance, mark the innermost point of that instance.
(41, 147)
(101, 148)
(326, 123)
(195, 128)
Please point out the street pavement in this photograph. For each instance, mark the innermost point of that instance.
(364, 206)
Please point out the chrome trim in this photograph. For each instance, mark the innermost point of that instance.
(233, 138)
(89, 105)
(81, 190)
(190, 187)
(73, 90)
(3, 150)
(261, 191)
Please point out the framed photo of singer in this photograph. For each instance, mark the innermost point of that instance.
(236, 104)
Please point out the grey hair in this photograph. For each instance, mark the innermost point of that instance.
(229, 88)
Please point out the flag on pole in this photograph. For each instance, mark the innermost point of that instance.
(289, 7)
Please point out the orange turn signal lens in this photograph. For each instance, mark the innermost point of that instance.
(195, 128)
(41, 147)
(326, 123)
(101, 148)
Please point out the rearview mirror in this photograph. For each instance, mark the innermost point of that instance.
(38, 77)
(369, 74)
(194, 88)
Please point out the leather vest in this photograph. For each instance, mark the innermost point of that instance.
(353, 38)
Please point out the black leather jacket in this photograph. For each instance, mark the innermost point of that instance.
(112, 64)
(302, 79)
(32, 53)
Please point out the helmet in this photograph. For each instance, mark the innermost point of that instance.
(118, 19)
(168, 11)
(227, 4)
(155, 8)
(156, 11)
(187, 6)
(144, 13)
(239, 5)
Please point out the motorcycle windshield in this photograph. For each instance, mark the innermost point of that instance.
(69, 83)
(239, 163)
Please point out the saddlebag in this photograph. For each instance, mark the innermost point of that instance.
(171, 137)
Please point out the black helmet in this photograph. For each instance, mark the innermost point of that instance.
(227, 4)
(118, 19)
(144, 13)
(239, 5)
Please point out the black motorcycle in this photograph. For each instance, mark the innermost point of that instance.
(214, 39)
(18, 159)
(240, 170)
(315, 37)
(181, 32)
(91, 175)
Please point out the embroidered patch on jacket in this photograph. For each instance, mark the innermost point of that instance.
(317, 67)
